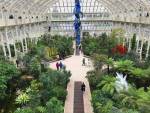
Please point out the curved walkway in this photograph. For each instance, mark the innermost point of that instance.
(74, 64)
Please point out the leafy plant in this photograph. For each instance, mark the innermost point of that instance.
(124, 65)
(40, 109)
(24, 110)
(23, 99)
(99, 61)
(35, 67)
(7, 72)
(107, 84)
(54, 106)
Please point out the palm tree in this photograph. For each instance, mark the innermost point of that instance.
(124, 65)
(108, 84)
(127, 100)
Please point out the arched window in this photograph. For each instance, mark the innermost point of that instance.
(147, 15)
(11, 17)
(19, 17)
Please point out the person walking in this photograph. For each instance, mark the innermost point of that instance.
(89, 64)
(64, 67)
(83, 62)
(60, 65)
(83, 87)
(17, 62)
(57, 66)
(80, 47)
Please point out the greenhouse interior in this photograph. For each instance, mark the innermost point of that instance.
(74, 56)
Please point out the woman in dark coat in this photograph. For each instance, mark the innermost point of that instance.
(83, 87)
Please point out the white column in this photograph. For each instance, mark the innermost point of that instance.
(8, 45)
(148, 47)
(3, 45)
(2, 14)
(129, 48)
(4, 49)
(25, 36)
(30, 30)
(141, 48)
(137, 46)
(17, 33)
(39, 28)
(14, 43)
(126, 39)
(20, 39)
(139, 32)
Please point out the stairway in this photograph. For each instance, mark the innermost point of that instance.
(78, 98)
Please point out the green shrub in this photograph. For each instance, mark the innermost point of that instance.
(60, 93)
(24, 110)
(54, 106)
(124, 65)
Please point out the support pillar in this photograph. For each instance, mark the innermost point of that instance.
(129, 48)
(14, 43)
(137, 46)
(148, 47)
(141, 49)
(25, 38)
(3, 46)
(19, 39)
(8, 45)
(4, 49)
(15, 49)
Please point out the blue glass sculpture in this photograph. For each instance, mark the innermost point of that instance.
(77, 23)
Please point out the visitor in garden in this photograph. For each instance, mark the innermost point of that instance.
(64, 67)
(83, 87)
(60, 65)
(57, 66)
(89, 64)
(83, 62)
(80, 49)
(17, 62)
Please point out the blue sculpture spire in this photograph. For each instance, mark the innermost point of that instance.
(77, 23)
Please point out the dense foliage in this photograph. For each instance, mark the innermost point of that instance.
(7, 72)
(46, 95)
(34, 88)
(102, 44)
(105, 97)
(51, 46)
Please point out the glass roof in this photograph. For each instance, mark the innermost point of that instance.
(67, 6)
(87, 6)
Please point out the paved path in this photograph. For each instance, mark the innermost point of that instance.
(74, 64)
(78, 98)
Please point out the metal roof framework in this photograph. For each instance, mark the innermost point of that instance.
(42, 6)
